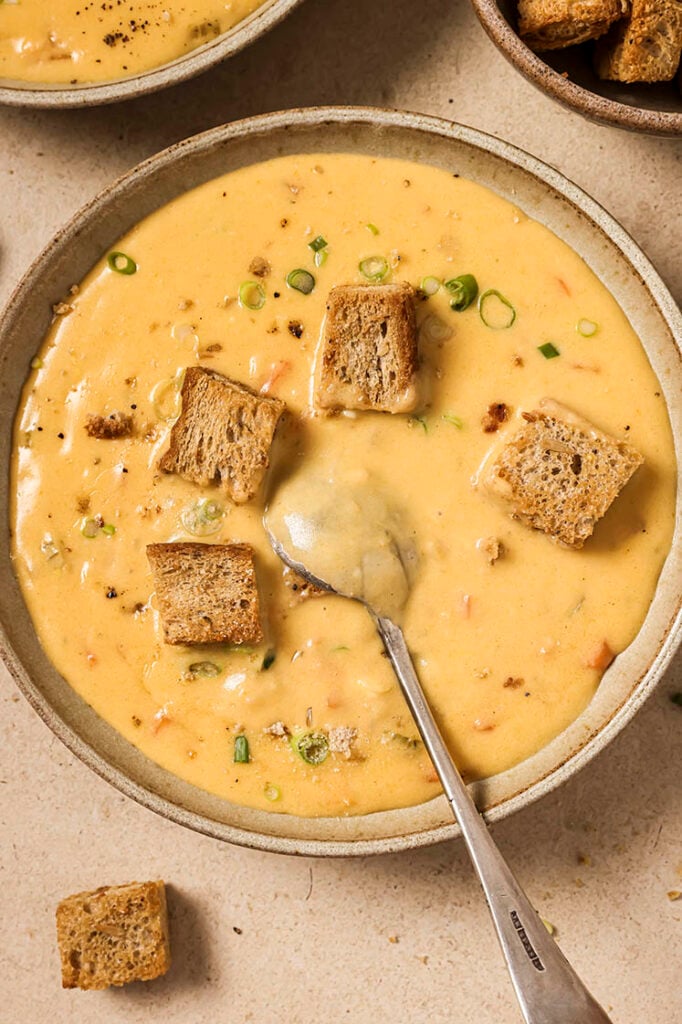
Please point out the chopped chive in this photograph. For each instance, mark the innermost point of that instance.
(340, 647)
(676, 698)
(495, 310)
(241, 750)
(373, 228)
(548, 350)
(205, 669)
(421, 421)
(109, 529)
(454, 420)
(272, 792)
(318, 243)
(374, 268)
(90, 528)
(166, 396)
(586, 328)
(251, 295)
(37, 363)
(321, 257)
(429, 285)
(268, 660)
(463, 290)
(202, 518)
(311, 747)
(301, 281)
(121, 263)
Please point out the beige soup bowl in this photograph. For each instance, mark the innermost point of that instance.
(543, 194)
(245, 32)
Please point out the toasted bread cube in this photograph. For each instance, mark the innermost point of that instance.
(368, 356)
(113, 935)
(105, 428)
(206, 593)
(558, 473)
(223, 434)
(644, 47)
(554, 24)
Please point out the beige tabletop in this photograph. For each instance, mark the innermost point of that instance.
(405, 938)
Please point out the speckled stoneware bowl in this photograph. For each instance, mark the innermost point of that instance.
(32, 94)
(543, 194)
(568, 77)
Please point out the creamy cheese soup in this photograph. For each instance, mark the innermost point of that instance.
(70, 41)
(508, 630)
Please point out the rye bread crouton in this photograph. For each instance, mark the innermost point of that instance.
(113, 935)
(223, 434)
(206, 593)
(558, 473)
(106, 428)
(644, 47)
(554, 24)
(368, 357)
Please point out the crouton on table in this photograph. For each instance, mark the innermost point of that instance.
(206, 593)
(223, 434)
(368, 357)
(645, 46)
(113, 935)
(553, 24)
(558, 473)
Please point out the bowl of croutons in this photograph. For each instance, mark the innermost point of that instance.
(616, 62)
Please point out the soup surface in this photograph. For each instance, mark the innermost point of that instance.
(66, 42)
(505, 646)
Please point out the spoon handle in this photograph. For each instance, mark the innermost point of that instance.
(547, 988)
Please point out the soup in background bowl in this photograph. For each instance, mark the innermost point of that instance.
(412, 193)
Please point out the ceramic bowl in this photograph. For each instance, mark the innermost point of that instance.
(567, 76)
(545, 195)
(32, 94)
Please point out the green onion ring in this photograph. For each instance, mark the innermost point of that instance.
(251, 295)
(586, 328)
(374, 268)
(463, 290)
(301, 281)
(121, 263)
(485, 310)
(311, 747)
(429, 285)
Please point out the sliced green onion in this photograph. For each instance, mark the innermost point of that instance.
(203, 518)
(410, 742)
(321, 257)
(586, 328)
(463, 290)
(373, 228)
(374, 268)
(272, 792)
(109, 529)
(268, 660)
(318, 244)
(165, 397)
(121, 263)
(251, 295)
(429, 285)
(455, 421)
(548, 350)
(434, 329)
(90, 528)
(312, 747)
(37, 363)
(205, 669)
(301, 281)
(241, 750)
(340, 647)
(48, 547)
(496, 311)
(421, 421)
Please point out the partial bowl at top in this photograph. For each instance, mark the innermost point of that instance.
(196, 60)
(568, 77)
(537, 190)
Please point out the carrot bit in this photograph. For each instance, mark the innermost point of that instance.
(91, 659)
(600, 657)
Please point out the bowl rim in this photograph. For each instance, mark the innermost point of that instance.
(90, 94)
(365, 118)
(575, 97)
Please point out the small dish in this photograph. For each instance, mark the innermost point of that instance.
(541, 192)
(195, 62)
(567, 76)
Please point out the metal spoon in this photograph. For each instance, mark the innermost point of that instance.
(547, 988)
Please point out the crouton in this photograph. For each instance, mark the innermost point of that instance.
(206, 593)
(341, 740)
(644, 47)
(113, 935)
(223, 434)
(368, 356)
(116, 424)
(553, 24)
(558, 473)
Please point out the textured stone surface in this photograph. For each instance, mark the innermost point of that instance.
(263, 938)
